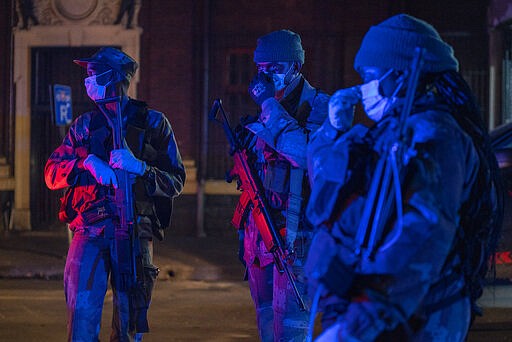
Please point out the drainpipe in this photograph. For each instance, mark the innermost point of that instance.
(11, 119)
(202, 167)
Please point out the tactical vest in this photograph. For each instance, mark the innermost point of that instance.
(99, 142)
(285, 186)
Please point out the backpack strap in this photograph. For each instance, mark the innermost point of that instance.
(138, 137)
(295, 199)
(136, 127)
(293, 212)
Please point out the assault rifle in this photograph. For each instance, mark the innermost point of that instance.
(253, 195)
(127, 248)
(385, 185)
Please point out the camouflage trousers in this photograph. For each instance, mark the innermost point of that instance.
(277, 312)
(89, 264)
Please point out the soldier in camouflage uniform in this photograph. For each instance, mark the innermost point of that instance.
(419, 283)
(291, 109)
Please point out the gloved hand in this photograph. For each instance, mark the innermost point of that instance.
(244, 136)
(261, 88)
(125, 160)
(100, 170)
(341, 107)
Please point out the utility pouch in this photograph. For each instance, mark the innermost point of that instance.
(98, 213)
(277, 177)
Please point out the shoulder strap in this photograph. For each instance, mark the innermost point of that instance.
(294, 205)
(136, 126)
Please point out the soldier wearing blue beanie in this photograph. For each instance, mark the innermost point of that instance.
(291, 111)
(391, 44)
(415, 272)
(282, 45)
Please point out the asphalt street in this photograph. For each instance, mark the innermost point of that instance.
(199, 296)
(34, 310)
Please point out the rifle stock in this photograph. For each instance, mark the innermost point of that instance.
(251, 187)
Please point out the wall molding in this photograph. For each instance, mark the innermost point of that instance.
(90, 26)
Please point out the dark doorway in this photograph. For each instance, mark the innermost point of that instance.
(51, 65)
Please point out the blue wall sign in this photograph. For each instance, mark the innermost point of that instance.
(62, 104)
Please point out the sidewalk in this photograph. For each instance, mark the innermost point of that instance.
(42, 254)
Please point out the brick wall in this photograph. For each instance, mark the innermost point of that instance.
(172, 40)
(331, 31)
(168, 66)
(171, 65)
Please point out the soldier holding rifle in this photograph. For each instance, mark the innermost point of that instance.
(122, 168)
(408, 211)
(291, 109)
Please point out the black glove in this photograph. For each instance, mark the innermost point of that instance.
(261, 88)
(243, 135)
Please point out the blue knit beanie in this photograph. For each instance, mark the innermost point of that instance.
(391, 44)
(279, 46)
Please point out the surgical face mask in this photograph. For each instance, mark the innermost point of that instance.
(96, 86)
(282, 80)
(375, 105)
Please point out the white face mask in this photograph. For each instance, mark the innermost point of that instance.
(280, 80)
(94, 90)
(375, 105)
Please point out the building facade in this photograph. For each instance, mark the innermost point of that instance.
(190, 53)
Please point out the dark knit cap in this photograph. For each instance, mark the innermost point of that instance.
(279, 46)
(114, 58)
(391, 44)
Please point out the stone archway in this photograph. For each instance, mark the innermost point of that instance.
(61, 23)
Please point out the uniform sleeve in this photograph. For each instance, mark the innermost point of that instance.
(328, 159)
(283, 133)
(411, 258)
(166, 176)
(66, 162)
